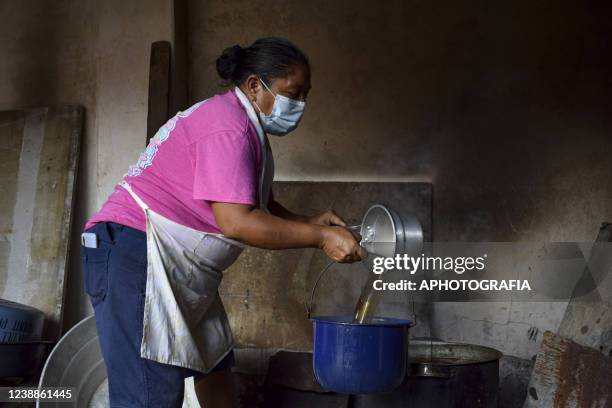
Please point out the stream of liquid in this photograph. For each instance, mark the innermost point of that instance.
(368, 301)
(365, 308)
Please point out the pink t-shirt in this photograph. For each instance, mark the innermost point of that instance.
(208, 153)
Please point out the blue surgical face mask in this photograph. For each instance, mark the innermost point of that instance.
(285, 115)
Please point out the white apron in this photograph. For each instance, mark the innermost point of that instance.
(185, 323)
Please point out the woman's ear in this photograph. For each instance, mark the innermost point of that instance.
(253, 87)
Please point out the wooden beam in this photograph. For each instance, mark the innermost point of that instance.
(159, 87)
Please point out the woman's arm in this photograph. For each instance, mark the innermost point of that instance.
(328, 217)
(277, 209)
(258, 228)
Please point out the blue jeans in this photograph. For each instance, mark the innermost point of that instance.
(115, 276)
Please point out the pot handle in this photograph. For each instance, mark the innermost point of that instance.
(430, 371)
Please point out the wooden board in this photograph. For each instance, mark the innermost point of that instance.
(38, 158)
(159, 87)
(265, 291)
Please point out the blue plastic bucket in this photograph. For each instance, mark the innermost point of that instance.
(351, 358)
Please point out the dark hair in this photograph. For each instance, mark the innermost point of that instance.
(267, 58)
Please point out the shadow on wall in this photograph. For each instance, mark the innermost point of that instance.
(44, 54)
(502, 106)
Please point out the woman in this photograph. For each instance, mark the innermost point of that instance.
(154, 253)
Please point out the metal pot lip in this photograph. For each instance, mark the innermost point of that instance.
(387, 211)
(381, 206)
(406, 227)
(491, 353)
(65, 338)
(458, 364)
(346, 320)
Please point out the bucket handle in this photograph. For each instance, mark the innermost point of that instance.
(314, 288)
(355, 228)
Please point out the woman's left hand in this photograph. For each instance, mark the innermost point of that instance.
(329, 218)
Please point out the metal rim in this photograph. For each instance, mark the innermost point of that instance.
(393, 220)
(65, 338)
(488, 354)
(399, 229)
(388, 321)
(407, 229)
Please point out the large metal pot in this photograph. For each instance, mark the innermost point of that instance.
(385, 233)
(76, 362)
(444, 375)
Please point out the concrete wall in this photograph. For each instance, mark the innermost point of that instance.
(94, 54)
(503, 106)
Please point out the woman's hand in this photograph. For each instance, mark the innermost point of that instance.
(342, 245)
(328, 218)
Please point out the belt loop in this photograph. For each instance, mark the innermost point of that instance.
(108, 229)
(101, 230)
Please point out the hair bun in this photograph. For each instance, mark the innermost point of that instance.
(228, 63)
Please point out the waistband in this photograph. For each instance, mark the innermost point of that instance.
(107, 231)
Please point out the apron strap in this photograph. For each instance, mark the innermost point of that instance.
(134, 196)
(266, 151)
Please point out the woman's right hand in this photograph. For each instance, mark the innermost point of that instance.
(342, 245)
